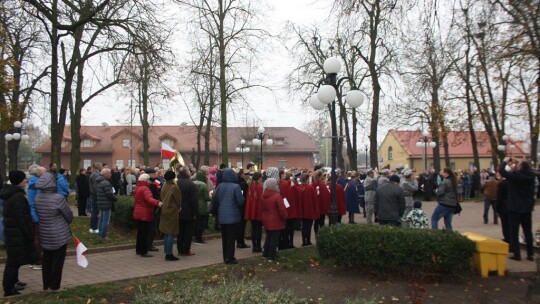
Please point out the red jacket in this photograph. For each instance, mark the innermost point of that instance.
(274, 213)
(323, 197)
(340, 200)
(253, 203)
(289, 192)
(144, 203)
(307, 201)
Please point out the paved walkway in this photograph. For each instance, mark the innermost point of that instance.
(125, 264)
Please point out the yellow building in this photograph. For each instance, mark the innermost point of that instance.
(400, 147)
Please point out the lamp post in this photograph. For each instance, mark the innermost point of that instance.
(326, 97)
(259, 141)
(505, 146)
(425, 143)
(13, 140)
(366, 149)
(241, 149)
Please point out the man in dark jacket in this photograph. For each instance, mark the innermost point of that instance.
(18, 231)
(92, 199)
(155, 188)
(105, 199)
(240, 238)
(187, 213)
(83, 189)
(520, 205)
(389, 202)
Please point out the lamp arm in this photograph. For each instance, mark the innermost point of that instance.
(340, 80)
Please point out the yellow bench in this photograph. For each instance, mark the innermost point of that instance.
(490, 254)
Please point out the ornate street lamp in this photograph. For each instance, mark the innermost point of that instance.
(259, 141)
(425, 143)
(14, 138)
(241, 149)
(326, 97)
(505, 146)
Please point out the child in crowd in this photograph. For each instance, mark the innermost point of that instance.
(417, 218)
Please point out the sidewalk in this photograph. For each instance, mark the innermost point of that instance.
(125, 264)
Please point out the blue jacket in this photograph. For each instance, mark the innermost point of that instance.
(230, 198)
(32, 192)
(62, 185)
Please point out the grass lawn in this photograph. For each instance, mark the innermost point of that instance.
(298, 260)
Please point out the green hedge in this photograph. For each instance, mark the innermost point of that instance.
(390, 249)
(123, 213)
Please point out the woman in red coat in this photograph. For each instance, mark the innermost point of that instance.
(253, 211)
(288, 191)
(323, 198)
(274, 215)
(143, 213)
(309, 207)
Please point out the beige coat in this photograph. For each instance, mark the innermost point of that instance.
(172, 199)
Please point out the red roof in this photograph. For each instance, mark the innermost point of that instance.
(459, 144)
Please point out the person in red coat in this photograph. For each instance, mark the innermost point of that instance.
(309, 207)
(288, 191)
(143, 213)
(274, 216)
(324, 199)
(253, 212)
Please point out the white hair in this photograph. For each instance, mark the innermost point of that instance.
(144, 177)
(105, 171)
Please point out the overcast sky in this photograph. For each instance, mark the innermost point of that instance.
(268, 108)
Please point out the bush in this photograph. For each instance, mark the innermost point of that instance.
(390, 249)
(196, 292)
(123, 213)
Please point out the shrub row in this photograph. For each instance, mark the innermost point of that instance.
(123, 213)
(196, 292)
(390, 249)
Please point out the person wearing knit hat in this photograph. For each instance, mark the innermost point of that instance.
(389, 202)
(274, 215)
(19, 240)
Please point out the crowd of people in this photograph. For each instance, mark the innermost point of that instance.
(177, 204)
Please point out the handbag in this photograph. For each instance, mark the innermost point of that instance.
(458, 209)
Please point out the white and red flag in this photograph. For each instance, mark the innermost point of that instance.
(167, 151)
(81, 249)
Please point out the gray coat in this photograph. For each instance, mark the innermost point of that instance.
(446, 195)
(369, 187)
(389, 202)
(54, 214)
(409, 186)
(104, 194)
(93, 184)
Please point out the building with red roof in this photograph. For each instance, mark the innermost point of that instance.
(400, 147)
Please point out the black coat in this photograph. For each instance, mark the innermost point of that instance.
(502, 197)
(190, 201)
(83, 186)
(520, 189)
(18, 226)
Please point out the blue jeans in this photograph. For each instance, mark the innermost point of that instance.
(445, 212)
(104, 220)
(168, 241)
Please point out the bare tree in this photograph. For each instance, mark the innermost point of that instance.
(20, 41)
(232, 28)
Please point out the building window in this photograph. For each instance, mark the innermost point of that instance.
(282, 164)
(390, 153)
(87, 163)
(131, 163)
(279, 141)
(126, 143)
(120, 163)
(239, 164)
(168, 142)
(87, 143)
(64, 143)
